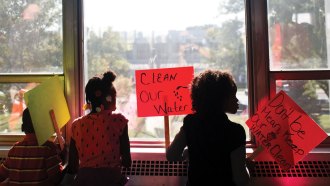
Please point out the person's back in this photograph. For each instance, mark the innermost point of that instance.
(29, 163)
(99, 144)
(210, 150)
(216, 146)
(97, 138)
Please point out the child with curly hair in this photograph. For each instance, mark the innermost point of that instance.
(216, 145)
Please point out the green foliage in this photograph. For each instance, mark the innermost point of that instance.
(106, 52)
(30, 36)
(324, 122)
(324, 85)
(310, 89)
(231, 6)
(124, 87)
(227, 50)
(302, 46)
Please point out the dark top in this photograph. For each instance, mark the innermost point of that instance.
(210, 142)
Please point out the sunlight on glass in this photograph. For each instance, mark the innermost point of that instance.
(12, 105)
(312, 97)
(299, 34)
(128, 35)
(31, 37)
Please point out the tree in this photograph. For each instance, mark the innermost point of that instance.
(302, 43)
(106, 52)
(30, 36)
(227, 49)
(30, 42)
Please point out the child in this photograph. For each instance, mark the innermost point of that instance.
(216, 145)
(30, 164)
(100, 144)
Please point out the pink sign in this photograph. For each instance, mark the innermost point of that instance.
(163, 92)
(285, 131)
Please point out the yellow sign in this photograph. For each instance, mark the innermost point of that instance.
(49, 95)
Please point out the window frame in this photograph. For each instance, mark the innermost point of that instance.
(257, 49)
(258, 61)
(71, 69)
(9, 139)
(299, 75)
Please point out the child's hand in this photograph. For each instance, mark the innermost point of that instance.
(59, 140)
(185, 155)
(62, 152)
(250, 164)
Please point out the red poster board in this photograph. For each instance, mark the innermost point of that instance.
(163, 92)
(285, 131)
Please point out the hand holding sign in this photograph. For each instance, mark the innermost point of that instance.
(43, 101)
(163, 92)
(285, 131)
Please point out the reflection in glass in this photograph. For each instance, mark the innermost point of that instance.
(31, 37)
(312, 96)
(299, 34)
(12, 105)
(128, 35)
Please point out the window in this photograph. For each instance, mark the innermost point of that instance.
(299, 55)
(128, 35)
(31, 50)
(268, 45)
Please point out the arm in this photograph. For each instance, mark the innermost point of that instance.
(53, 164)
(175, 150)
(73, 162)
(73, 165)
(3, 173)
(61, 152)
(239, 170)
(125, 150)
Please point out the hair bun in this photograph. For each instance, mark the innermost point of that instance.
(109, 76)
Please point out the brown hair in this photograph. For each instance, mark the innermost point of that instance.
(27, 126)
(97, 89)
(108, 79)
(94, 92)
(209, 90)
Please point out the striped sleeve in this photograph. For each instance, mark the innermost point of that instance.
(53, 161)
(3, 172)
(25, 164)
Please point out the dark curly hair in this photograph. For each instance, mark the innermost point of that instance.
(98, 88)
(94, 91)
(209, 90)
(108, 79)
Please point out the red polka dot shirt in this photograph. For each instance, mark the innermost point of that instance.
(97, 139)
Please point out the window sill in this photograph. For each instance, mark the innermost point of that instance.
(158, 153)
(153, 149)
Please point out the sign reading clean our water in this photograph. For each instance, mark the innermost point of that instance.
(164, 91)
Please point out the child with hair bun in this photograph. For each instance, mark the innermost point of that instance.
(100, 145)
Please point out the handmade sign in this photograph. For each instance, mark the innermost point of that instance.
(46, 97)
(163, 92)
(285, 131)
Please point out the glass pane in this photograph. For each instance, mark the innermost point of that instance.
(31, 36)
(12, 105)
(312, 96)
(128, 35)
(299, 34)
